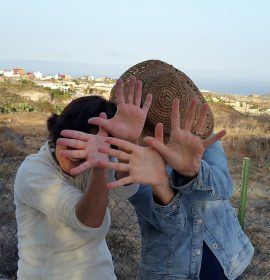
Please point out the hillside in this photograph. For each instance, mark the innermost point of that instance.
(23, 102)
(23, 130)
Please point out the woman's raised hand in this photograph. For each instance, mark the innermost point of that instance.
(84, 147)
(185, 148)
(128, 122)
(143, 165)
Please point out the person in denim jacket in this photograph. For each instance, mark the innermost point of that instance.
(189, 228)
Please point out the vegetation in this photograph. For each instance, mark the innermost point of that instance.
(12, 102)
(19, 107)
(19, 85)
(247, 135)
(59, 94)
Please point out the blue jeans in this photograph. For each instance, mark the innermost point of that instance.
(210, 268)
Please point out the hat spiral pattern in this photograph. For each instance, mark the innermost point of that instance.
(165, 83)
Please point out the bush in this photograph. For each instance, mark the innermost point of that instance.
(19, 107)
(56, 93)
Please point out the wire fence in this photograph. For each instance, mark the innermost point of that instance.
(124, 236)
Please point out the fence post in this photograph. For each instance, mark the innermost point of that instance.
(243, 197)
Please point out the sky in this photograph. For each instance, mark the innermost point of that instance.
(222, 46)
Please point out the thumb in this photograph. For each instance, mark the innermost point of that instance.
(159, 132)
(100, 121)
(156, 145)
(102, 131)
(213, 138)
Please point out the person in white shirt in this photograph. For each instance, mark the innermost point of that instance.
(61, 198)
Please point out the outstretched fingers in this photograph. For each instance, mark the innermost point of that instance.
(131, 89)
(74, 134)
(138, 93)
(119, 183)
(175, 121)
(159, 132)
(190, 115)
(121, 155)
(122, 144)
(156, 145)
(200, 124)
(71, 154)
(119, 93)
(213, 138)
(147, 103)
(101, 122)
(82, 167)
(119, 166)
(72, 143)
(102, 131)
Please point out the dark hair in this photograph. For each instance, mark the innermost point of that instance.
(75, 116)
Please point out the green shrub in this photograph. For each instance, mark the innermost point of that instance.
(55, 93)
(19, 107)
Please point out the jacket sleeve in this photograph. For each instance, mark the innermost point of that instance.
(168, 218)
(213, 181)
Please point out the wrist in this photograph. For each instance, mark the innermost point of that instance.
(100, 173)
(189, 173)
(163, 192)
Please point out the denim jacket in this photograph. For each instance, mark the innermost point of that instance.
(173, 235)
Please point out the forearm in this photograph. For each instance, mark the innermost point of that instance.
(92, 207)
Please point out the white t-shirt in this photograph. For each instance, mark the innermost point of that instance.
(52, 242)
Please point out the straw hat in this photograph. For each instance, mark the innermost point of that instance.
(165, 83)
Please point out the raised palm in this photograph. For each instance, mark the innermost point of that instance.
(129, 119)
(142, 165)
(85, 147)
(185, 148)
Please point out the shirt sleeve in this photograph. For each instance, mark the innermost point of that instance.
(213, 180)
(43, 188)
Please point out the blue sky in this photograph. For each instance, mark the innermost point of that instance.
(221, 45)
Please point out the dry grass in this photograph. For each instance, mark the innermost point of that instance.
(246, 136)
(10, 149)
(31, 125)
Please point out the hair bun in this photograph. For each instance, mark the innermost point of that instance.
(54, 122)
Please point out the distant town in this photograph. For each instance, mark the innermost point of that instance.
(66, 83)
(251, 104)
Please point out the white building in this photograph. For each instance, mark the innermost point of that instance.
(103, 85)
(101, 79)
(8, 74)
(38, 75)
(52, 85)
